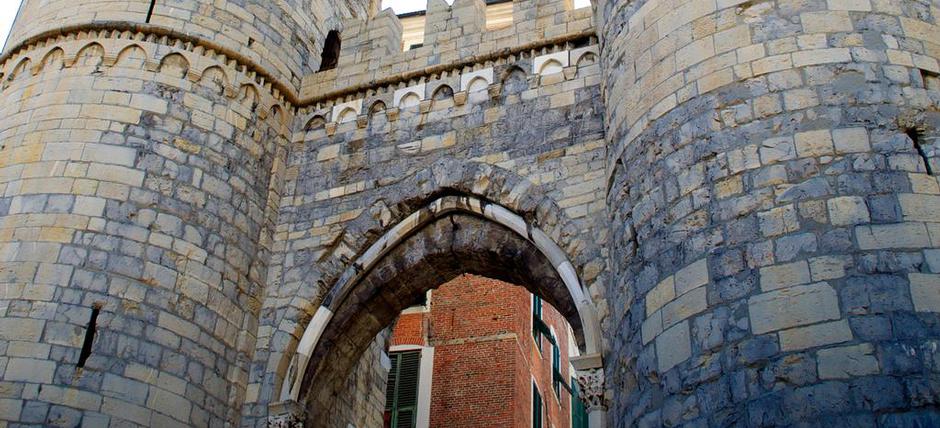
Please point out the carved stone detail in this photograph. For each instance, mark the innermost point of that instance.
(286, 414)
(591, 384)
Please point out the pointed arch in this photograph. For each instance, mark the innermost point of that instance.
(175, 65)
(485, 185)
(552, 66)
(443, 92)
(54, 60)
(91, 54)
(411, 99)
(514, 81)
(478, 83)
(21, 68)
(132, 56)
(346, 115)
(214, 77)
(448, 236)
(315, 122)
(377, 107)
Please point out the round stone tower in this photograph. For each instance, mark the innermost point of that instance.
(139, 178)
(774, 209)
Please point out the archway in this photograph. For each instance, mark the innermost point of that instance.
(450, 236)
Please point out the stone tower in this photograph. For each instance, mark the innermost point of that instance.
(735, 203)
(774, 211)
(141, 141)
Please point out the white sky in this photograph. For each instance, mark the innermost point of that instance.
(7, 13)
(405, 6)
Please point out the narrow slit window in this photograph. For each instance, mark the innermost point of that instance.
(915, 137)
(153, 3)
(90, 331)
(331, 48)
(931, 80)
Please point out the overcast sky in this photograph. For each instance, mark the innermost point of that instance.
(7, 13)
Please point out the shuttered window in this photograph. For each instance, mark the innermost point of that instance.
(557, 379)
(536, 407)
(401, 392)
(537, 322)
(579, 416)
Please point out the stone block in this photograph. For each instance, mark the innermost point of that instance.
(815, 335)
(920, 207)
(24, 329)
(925, 292)
(29, 370)
(673, 346)
(661, 294)
(827, 267)
(652, 327)
(691, 277)
(779, 221)
(784, 275)
(848, 210)
(901, 235)
(854, 5)
(792, 307)
(813, 143)
(826, 22)
(685, 306)
(169, 403)
(777, 149)
(851, 140)
(847, 362)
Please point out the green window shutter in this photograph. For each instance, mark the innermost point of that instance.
(556, 370)
(537, 323)
(579, 416)
(536, 407)
(401, 392)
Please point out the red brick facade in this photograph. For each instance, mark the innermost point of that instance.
(485, 356)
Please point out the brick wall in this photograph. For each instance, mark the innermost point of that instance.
(485, 356)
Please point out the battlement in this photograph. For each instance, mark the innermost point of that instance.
(456, 40)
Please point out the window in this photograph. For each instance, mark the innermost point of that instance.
(401, 391)
(536, 407)
(331, 48)
(557, 379)
(579, 416)
(537, 322)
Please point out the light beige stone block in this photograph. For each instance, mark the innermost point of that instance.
(673, 346)
(851, 140)
(925, 292)
(661, 294)
(785, 275)
(691, 277)
(685, 306)
(815, 335)
(920, 207)
(792, 307)
(848, 210)
(813, 143)
(900, 235)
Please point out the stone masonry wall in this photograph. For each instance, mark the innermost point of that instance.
(774, 226)
(136, 177)
(362, 404)
(363, 161)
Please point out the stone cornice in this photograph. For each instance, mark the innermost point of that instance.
(264, 78)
